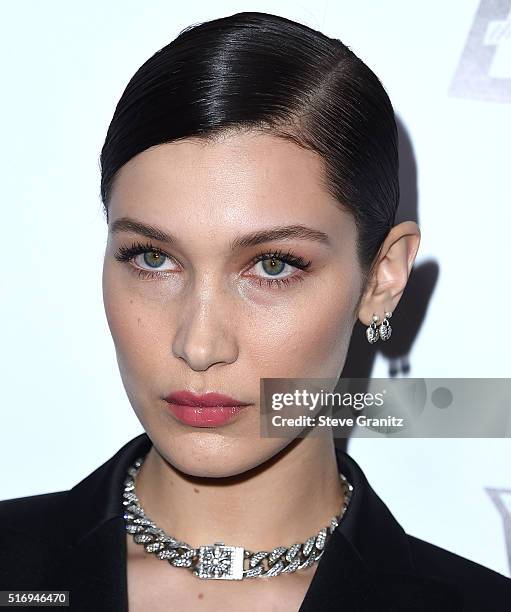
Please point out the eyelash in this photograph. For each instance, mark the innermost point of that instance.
(126, 254)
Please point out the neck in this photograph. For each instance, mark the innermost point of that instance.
(281, 502)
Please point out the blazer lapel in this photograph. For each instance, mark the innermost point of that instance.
(367, 564)
(343, 581)
(97, 570)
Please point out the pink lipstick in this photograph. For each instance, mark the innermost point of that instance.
(206, 410)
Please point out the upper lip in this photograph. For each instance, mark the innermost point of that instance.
(187, 398)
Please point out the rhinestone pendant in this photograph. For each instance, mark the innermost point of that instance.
(372, 333)
(219, 562)
(385, 330)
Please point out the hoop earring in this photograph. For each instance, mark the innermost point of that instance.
(385, 330)
(372, 331)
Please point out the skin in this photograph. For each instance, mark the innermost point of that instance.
(207, 324)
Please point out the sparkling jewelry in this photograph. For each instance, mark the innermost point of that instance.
(218, 561)
(385, 329)
(372, 330)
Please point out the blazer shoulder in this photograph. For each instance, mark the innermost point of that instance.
(43, 511)
(33, 555)
(478, 583)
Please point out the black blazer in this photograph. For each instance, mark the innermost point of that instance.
(75, 541)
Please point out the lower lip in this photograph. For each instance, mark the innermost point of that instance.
(204, 417)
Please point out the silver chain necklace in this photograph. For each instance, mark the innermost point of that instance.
(217, 561)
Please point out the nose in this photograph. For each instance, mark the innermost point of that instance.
(205, 335)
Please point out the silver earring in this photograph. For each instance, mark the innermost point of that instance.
(385, 330)
(372, 331)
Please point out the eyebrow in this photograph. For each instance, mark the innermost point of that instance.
(302, 232)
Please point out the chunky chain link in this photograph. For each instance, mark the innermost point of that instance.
(260, 564)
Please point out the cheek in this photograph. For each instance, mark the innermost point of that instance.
(309, 339)
(134, 324)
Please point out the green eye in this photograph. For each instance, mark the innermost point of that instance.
(154, 259)
(270, 266)
(273, 266)
(145, 259)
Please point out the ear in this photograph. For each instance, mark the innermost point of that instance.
(390, 272)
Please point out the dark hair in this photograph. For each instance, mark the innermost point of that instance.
(256, 71)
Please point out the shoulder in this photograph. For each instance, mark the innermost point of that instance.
(32, 513)
(30, 540)
(478, 584)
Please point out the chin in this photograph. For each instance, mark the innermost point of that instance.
(208, 454)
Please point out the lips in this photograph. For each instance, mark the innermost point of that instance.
(206, 410)
(205, 400)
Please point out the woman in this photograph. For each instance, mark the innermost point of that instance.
(248, 154)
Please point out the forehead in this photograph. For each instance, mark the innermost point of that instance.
(236, 177)
(254, 159)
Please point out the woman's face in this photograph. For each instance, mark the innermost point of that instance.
(201, 313)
